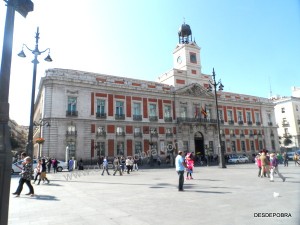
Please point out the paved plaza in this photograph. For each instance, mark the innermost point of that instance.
(234, 195)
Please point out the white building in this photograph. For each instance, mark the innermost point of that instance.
(97, 114)
(287, 113)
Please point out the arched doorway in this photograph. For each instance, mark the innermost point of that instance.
(199, 145)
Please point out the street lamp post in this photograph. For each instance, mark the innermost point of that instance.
(36, 52)
(23, 7)
(40, 124)
(220, 147)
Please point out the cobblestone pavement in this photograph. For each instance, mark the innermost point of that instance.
(234, 195)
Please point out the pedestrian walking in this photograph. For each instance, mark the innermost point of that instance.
(190, 166)
(117, 166)
(105, 166)
(43, 172)
(135, 164)
(274, 168)
(128, 164)
(49, 163)
(21, 183)
(258, 163)
(285, 159)
(180, 165)
(123, 163)
(264, 165)
(25, 178)
(54, 165)
(37, 170)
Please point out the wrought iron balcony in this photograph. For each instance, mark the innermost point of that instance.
(285, 124)
(120, 116)
(241, 122)
(169, 135)
(232, 135)
(231, 122)
(71, 113)
(137, 117)
(100, 115)
(258, 123)
(101, 134)
(153, 118)
(242, 135)
(168, 119)
(120, 134)
(195, 120)
(154, 135)
(71, 133)
(249, 122)
(137, 134)
(251, 135)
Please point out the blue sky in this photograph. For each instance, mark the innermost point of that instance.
(253, 45)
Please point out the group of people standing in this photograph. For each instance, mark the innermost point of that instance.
(120, 164)
(268, 165)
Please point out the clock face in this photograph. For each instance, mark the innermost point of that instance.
(179, 59)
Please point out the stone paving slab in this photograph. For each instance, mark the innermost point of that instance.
(234, 195)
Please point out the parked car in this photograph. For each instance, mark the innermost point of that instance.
(238, 159)
(17, 166)
(61, 165)
(290, 155)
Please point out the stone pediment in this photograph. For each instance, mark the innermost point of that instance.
(195, 90)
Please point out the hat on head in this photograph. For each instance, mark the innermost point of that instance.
(179, 152)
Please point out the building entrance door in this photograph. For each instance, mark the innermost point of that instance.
(199, 146)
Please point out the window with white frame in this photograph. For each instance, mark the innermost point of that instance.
(240, 116)
(257, 117)
(137, 130)
(120, 148)
(100, 130)
(243, 145)
(120, 130)
(137, 108)
(167, 111)
(119, 108)
(229, 115)
(168, 130)
(183, 111)
(138, 148)
(72, 104)
(152, 108)
(248, 116)
(100, 106)
(221, 117)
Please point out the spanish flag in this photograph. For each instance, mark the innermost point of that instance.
(203, 111)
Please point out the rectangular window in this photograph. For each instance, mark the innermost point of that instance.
(260, 143)
(229, 115)
(193, 57)
(120, 131)
(252, 146)
(185, 145)
(167, 110)
(221, 117)
(137, 108)
(119, 108)
(72, 104)
(138, 148)
(257, 117)
(273, 144)
(183, 111)
(168, 130)
(248, 116)
(208, 113)
(100, 148)
(233, 148)
(243, 145)
(269, 117)
(210, 146)
(100, 106)
(240, 116)
(152, 109)
(72, 149)
(282, 110)
(120, 148)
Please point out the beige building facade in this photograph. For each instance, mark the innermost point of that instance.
(93, 114)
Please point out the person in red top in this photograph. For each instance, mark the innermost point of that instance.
(258, 163)
(190, 166)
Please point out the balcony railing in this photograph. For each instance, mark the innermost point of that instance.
(258, 123)
(120, 134)
(153, 118)
(100, 115)
(232, 135)
(137, 117)
(168, 119)
(251, 135)
(169, 135)
(242, 135)
(137, 134)
(120, 116)
(249, 122)
(270, 124)
(71, 113)
(241, 122)
(193, 120)
(101, 134)
(285, 124)
(71, 133)
(154, 135)
(231, 122)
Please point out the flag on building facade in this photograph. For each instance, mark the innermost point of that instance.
(203, 111)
